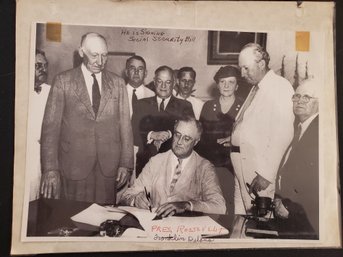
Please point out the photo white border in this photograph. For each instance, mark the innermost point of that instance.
(244, 16)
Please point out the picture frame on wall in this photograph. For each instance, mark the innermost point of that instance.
(224, 46)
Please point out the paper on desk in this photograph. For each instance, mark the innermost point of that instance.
(134, 233)
(96, 214)
(175, 225)
(144, 216)
(187, 226)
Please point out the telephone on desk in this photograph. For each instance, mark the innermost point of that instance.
(261, 223)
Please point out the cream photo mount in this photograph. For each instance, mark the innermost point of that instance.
(318, 61)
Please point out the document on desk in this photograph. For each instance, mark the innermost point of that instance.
(145, 217)
(201, 226)
(96, 214)
(176, 226)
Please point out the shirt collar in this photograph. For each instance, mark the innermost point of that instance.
(166, 101)
(184, 161)
(87, 73)
(130, 87)
(180, 97)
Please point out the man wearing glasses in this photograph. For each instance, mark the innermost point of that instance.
(37, 103)
(155, 118)
(186, 81)
(297, 200)
(178, 180)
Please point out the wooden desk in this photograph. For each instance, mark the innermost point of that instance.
(286, 229)
(49, 214)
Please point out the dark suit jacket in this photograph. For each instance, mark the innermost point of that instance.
(217, 124)
(73, 138)
(300, 181)
(147, 118)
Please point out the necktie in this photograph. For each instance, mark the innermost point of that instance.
(95, 95)
(162, 105)
(134, 99)
(176, 175)
(290, 152)
(297, 134)
(245, 106)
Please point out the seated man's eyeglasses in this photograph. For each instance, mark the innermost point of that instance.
(304, 98)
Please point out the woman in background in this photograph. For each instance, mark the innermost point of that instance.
(217, 117)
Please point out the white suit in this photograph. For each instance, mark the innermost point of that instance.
(263, 136)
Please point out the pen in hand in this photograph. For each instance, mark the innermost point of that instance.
(148, 198)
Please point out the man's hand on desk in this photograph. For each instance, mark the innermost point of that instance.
(141, 201)
(51, 184)
(258, 184)
(123, 176)
(280, 209)
(169, 209)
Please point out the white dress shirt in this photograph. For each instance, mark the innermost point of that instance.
(141, 92)
(89, 81)
(37, 102)
(174, 162)
(197, 104)
(159, 101)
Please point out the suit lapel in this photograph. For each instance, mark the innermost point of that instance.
(106, 93)
(170, 107)
(154, 103)
(81, 91)
(187, 175)
(307, 136)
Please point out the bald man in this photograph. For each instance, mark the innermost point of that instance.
(297, 200)
(263, 129)
(87, 141)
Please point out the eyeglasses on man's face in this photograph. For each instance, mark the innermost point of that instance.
(40, 65)
(136, 70)
(304, 98)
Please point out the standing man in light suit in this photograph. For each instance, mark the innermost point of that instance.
(263, 128)
(86, 141)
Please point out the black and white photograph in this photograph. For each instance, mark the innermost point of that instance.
(164, 135)
(171, 135)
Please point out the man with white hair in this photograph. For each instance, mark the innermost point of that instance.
(263, 129)
(86, 143)
(298, 189)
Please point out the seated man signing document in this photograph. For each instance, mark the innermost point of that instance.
(178, 180)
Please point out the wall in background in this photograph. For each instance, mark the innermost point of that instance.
(189, 48)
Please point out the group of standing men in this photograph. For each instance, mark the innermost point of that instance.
(93, 119)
